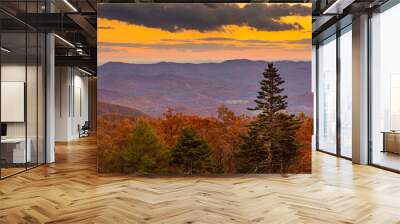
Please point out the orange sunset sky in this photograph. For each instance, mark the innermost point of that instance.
(195, 33)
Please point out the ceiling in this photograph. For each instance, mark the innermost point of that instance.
(73, 21)
(332, 15)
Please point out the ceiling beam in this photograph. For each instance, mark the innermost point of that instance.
(85, 25)
(49, 22)
(77, 61)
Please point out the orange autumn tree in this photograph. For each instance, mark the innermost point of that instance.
(170, 126)
(112, 132)
(302, 163)
(231, 128)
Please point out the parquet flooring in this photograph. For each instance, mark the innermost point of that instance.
(11, 170)
(70, 191)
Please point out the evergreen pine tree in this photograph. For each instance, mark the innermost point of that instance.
(191, 153)
(271, 142)
(285, 134)
(144, 152)
(250, 158)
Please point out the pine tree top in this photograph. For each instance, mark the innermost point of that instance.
(270, 99)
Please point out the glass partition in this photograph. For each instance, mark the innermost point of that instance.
(41, 96)
(31, 99)
(327, 95)
(385, 89)
(22, 88)
(346, 92)
(14, 155)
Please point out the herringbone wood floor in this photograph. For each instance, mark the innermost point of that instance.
(70, 191)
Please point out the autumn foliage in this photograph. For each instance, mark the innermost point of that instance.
(223, 134)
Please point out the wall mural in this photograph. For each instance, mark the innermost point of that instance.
(192, 88)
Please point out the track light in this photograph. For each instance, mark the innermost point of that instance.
(79, 51)
(70, 5)
(5, 50)
(84, 71)
(65, 41)
(337, 7)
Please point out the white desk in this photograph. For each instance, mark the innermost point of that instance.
(19, 153)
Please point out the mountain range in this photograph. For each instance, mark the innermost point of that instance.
(199, 88)
(108, 108)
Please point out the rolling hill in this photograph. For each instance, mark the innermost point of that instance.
(108, 108)
(199, 88)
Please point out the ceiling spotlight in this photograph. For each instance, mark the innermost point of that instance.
(65, 41)
(70, 5)
(5, 50)
(79, 51)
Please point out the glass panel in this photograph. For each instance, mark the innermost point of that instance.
(22, 88)
(41, 98)
(385, 87)
(32, 88)
(327, 96)
(346, 93)
(31, 98)
(13, 86)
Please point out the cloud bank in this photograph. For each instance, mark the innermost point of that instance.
(205, 17)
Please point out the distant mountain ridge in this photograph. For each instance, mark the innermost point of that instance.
(108, 108)
(199, 88)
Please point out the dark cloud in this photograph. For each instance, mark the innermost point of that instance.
(250, 41)
(176, 40)
(107, 49)
(105, 28)
(217, 39)
(204, 17)
(258, 41)
(175, 46)
(302, 41)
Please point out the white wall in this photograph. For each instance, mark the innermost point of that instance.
(62, 82)
(80, 104)
(71, 102)
(16, 73)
